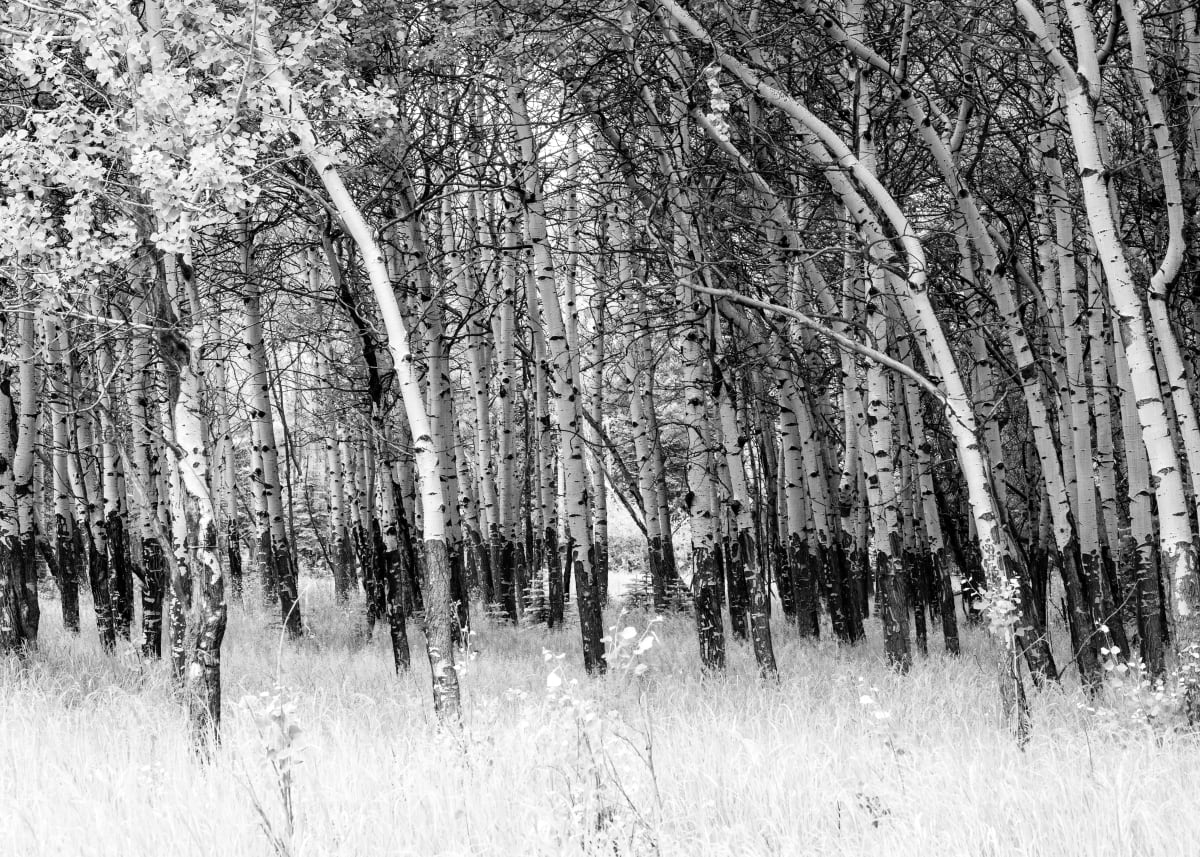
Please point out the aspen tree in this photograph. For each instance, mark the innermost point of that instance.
(271, 528)
(93, 519)
(886, 544)
(439, 399)
(68, 558)
(744, 552)
(1142, 558)
(144, 460)
(507, 499)
(195, 535)
(339, 534)
(930, 518)
(1100, 347)
(547, 472)
(480, 348)
(781, 235)
(883, 494)
(1177, 550)
(803, 582)
(686, 258)
(567, 393)
(366, 525)
(639, 429)
(19, 406)
(28, 413)
(594, 380)
(998, 560)
(120, 582)
(13, 635)
(388, 556)
(225, 463)
(439, 646)
(1168, 351)
(982, 239)
(481, 483)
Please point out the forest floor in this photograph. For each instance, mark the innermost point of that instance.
(841, 757)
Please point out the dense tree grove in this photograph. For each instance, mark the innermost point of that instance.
(862, 312)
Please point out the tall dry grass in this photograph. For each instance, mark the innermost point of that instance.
(843, 757)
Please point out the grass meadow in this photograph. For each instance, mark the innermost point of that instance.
(334, 754)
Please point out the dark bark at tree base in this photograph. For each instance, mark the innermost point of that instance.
(13, 634)
(203, 687)
(912, 585)
(364, 548)
(343, 561)
(67, 574)
(556, 588)
(121, 576)
(233, 550)
(21, 611)
(1115, 602)
(1151, 629)
(760, 622)
(177, 631)
(268, 571)
(98, 577)
(1084, 640)
(289, 595)
(1031, 640)
(601, 551)
(483, 567)
(654, 561)
(591, 619)
(459, 594)
(893, 611)
(785, 581)
(808, 605)
(738, 596)
(1013, 699)
(153, 580)
(506, 580)
(489, 583)
(709, 623)
(966, 556)
(947, 609)
(438, 644)
(843, 569)
(410, 561)
(394, 610)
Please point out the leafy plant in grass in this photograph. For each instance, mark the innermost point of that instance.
(605, 757)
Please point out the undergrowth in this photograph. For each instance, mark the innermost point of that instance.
(326, 751)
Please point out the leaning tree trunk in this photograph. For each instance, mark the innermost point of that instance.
(1177, 549)
(998, 559)
(438, 618)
